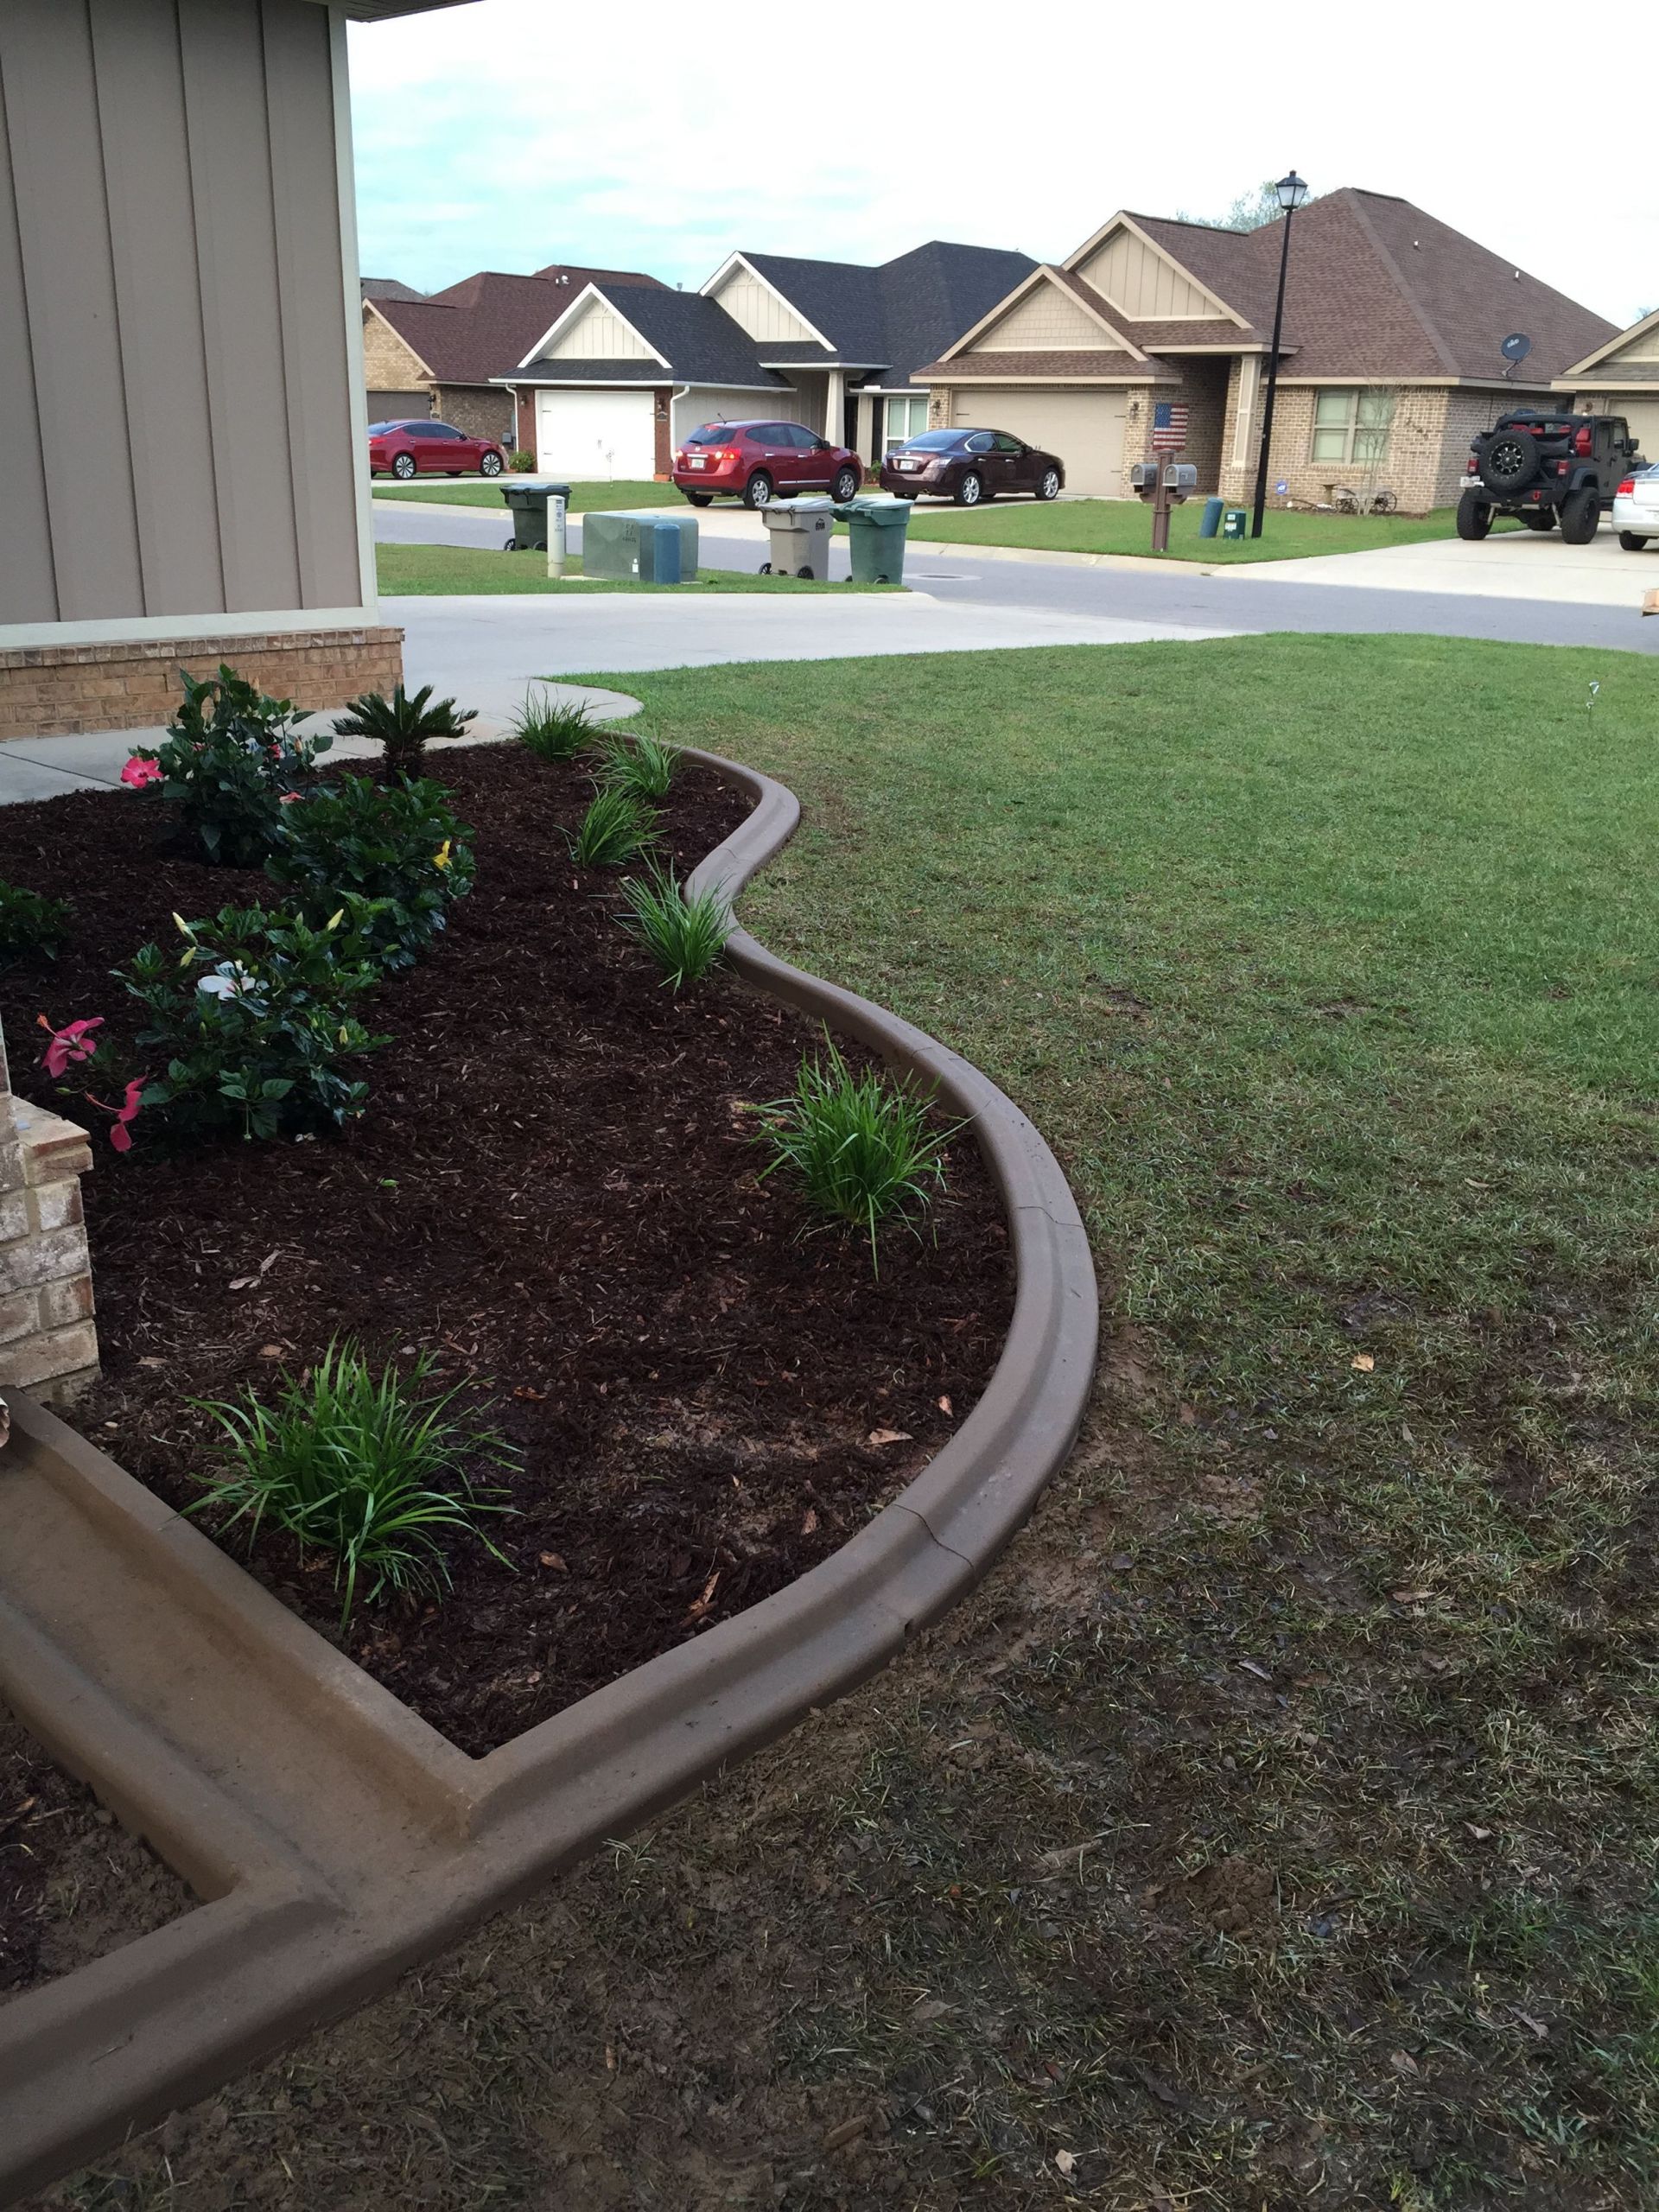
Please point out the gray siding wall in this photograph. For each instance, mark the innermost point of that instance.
(175, 363)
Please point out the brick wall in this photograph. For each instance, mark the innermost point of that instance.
(388, 364)
(49, 691)
(48, 1339)
(1203, 388)
(662, 408)
(482, 411)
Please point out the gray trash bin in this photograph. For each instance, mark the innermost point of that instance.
(527, 505)
(798, 533)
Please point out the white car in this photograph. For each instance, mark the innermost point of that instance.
(1636, 509)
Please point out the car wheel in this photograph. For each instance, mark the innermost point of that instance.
(1474, 517)
(1632, 541)
(1509, 463)
(404, 467)
(1580, 516)
(700, 498)
(1540, 518)
(491, 465)
(1048, 484)
(806, 573)
(758, 492)
(971, 489)
(845, 486)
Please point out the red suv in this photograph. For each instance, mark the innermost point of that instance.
(429, 448)
(761, 462)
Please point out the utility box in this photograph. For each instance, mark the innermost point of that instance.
(1234, 522)
(622, 548)
(527, 505)
(799, 534)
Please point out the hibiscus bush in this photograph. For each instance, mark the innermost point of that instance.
(231, 758)
(251, 1027)
(396, 849)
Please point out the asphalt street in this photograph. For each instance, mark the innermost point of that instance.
(1178, 596)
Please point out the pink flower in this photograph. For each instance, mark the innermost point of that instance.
(139, 771)
(290, 799)
(120, 1135)
(70, 1043)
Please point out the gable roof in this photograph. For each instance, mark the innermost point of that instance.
(478, 329)
(387, 288)
(695, 337)
(1605, 355)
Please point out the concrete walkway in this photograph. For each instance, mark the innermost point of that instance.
(1529, 564)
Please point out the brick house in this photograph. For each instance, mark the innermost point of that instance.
(1391, 361)
(436, 353)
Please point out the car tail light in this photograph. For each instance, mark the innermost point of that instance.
(1627, 489)
(1560, 468)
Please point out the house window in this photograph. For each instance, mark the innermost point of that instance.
(1352, 426)
(905, 419)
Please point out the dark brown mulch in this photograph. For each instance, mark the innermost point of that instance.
(72, 1885)
(554, 1191)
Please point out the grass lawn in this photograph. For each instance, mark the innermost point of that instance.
(1125, 526)
(1276, 1827)
(411, 570)
(584, 498)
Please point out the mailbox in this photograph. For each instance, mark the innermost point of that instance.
(1183, 479)
(1143, 478)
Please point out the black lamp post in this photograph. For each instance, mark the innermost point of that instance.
(1292, 191)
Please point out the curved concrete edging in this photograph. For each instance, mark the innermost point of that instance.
(343, 1839)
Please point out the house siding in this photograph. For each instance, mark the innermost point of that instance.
(1137, 279)
(1046, 318)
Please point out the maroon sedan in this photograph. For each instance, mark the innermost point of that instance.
(969, 465)
(429, 448)
(761, 462)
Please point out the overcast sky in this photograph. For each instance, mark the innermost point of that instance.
(511, 133)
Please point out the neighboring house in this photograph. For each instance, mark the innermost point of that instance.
(180, 362)
(1391, 359)
(388, 288)
(1622, 378)
(618, 380)
(436, 353)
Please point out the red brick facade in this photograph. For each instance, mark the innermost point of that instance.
(663, 402)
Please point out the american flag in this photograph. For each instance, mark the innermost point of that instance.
(1168, 425)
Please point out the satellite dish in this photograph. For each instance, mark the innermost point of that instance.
(1516, 346)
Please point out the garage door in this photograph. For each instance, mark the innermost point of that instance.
(1642, 412)
(596, 434)
(1084, 428)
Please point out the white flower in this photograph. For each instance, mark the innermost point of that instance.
(230, 980)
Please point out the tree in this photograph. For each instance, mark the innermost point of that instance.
(1251, 211)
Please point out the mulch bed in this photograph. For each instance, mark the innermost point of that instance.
(555, 1191)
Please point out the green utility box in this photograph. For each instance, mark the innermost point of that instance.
(1234, 522)
(527, 505)
(877, 528)
(623, 547)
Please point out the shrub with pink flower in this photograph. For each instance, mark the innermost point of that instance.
(142, 768)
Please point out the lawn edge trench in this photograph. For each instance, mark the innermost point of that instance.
(336, 1839)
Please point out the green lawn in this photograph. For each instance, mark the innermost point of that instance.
(584, 498)
(1125, 526)
(409, 570)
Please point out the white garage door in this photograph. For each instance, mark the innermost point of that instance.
(1642, 413)
(1084, 428)
(596, 435)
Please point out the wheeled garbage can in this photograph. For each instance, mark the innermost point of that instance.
(527, 505)
(798, 533)
(877, 528)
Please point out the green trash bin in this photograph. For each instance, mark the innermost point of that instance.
(527, 505)
(1233, 522)
(877, 528)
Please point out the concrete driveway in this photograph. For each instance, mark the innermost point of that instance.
(1510, 564)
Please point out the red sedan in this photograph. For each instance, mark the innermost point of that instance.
(429, 448)
(761, 462)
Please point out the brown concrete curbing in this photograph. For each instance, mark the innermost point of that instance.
(342, 1838)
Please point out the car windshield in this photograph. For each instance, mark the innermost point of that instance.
(712, 434)
(379, 429)
(932, 441)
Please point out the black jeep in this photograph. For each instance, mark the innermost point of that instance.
(1539, 466)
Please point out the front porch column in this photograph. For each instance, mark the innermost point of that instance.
(834, 406)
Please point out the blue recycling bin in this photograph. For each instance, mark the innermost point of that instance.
(1211, 521)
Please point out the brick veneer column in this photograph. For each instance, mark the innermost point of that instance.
(48, 1339)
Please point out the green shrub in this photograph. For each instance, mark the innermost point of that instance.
(30, 923)
(521, 462)
(641, 764)
(229, 757)
(401, 726)
(685, 937)
(396, 848)
(550, 729)
(860, 1149)
(254, 1022)
(618, 826)
(365, 1467)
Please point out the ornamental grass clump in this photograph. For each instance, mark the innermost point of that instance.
(685, 936)
(550, 729)
(395, 848)
(31, 923)
(252, 1023)
(369, 1468)
(402, 725)
(642, 765)
(859, 1150)
(618, 826)
(230, 759)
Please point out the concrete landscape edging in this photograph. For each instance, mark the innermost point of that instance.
(335, 1838)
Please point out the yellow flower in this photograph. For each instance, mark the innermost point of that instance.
(441, 858)
(336, 918)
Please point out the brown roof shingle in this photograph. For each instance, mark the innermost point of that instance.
(485, 326)
(1060, 366)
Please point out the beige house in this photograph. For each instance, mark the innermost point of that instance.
(1391, 360)
(180, 357)
(1622, 378)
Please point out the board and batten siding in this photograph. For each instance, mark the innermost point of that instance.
(756, 308)
(179, 361)
(599, 334)
(1137, 279)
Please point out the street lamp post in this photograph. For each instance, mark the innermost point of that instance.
(1292, 191)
